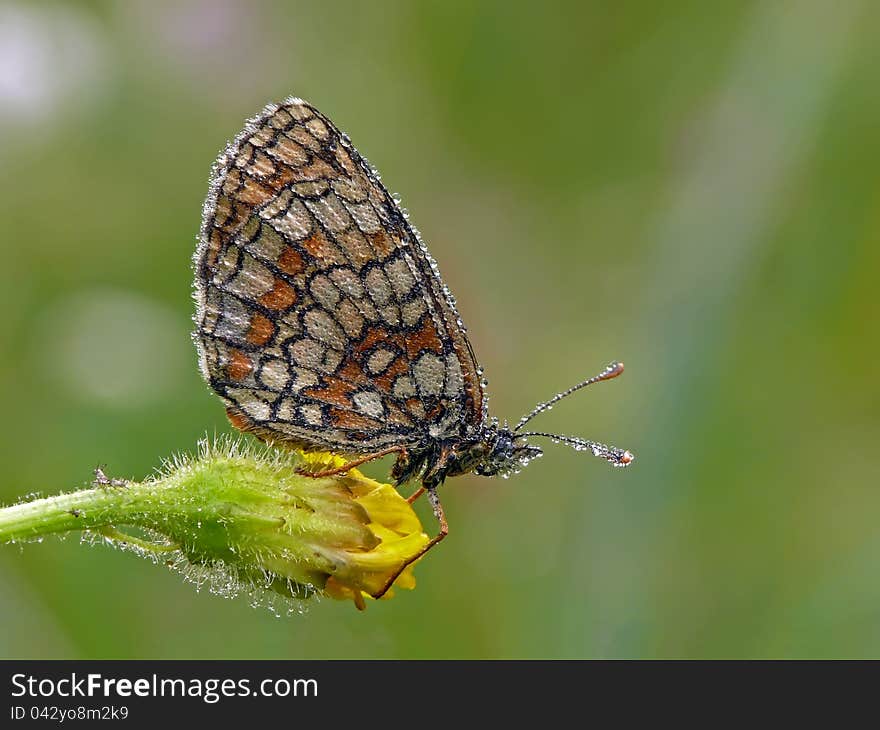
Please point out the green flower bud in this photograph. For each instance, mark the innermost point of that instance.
(247, 520)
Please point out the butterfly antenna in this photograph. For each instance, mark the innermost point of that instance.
(611, 454)
(612, 371)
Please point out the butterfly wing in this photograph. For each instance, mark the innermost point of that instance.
(321, 318)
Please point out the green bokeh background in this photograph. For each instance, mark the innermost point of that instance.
(689, 187)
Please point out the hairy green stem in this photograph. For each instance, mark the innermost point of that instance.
(88, 509)
(251, 518)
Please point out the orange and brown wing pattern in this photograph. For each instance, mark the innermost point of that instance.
(321, 318)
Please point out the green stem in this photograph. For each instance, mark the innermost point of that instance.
(247, 519)
(88, 509)
(239, 511)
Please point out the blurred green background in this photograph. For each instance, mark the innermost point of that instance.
(689, 187)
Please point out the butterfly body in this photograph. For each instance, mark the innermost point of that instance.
(489, 452)
(322, 321)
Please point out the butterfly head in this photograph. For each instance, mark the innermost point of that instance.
(500, 450)
(512, 451)
(492, 451)
(504, 453)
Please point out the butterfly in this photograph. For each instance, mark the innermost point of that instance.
(322, 321)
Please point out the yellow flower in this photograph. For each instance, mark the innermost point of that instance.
(395, 527)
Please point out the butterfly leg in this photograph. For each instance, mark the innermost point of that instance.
(444, 531)
(351, 464)
(415, 495)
